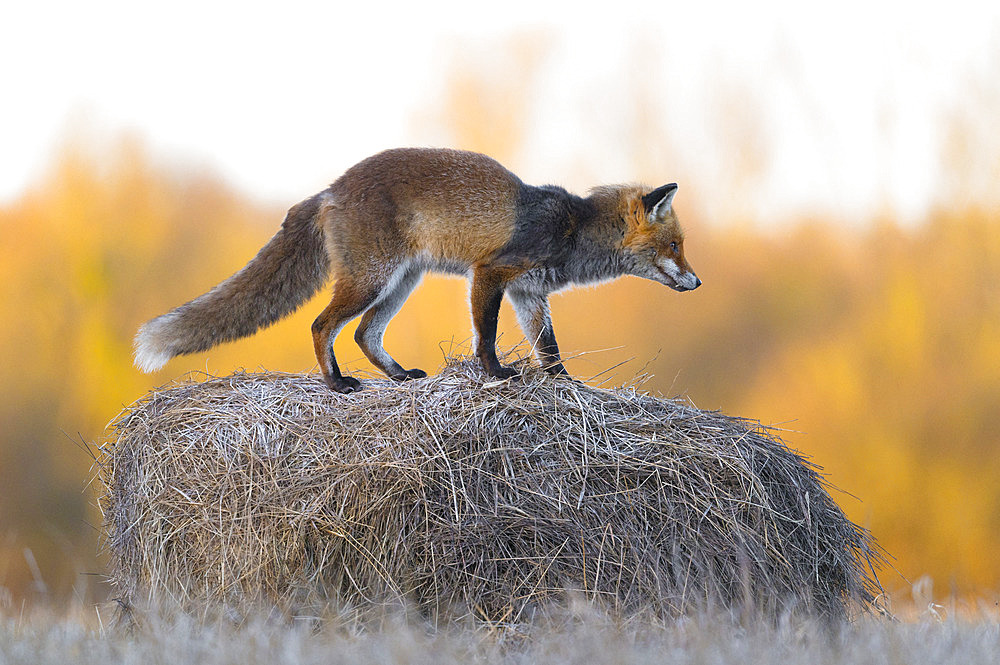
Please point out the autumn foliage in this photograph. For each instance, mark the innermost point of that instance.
(878, 346)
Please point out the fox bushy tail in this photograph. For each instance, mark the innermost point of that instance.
(286, 272)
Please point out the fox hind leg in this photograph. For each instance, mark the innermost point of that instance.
(535, 318)
(373, 324)
(350, 298)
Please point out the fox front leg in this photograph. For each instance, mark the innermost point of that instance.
(535, 318)
(487, 292)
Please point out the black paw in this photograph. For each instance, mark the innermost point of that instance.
(501, 372)
(408, 374)
(343, 384)
(557, 370)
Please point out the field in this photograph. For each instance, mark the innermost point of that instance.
(90, 635)
(813, 430)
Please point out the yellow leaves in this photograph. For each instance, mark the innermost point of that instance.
(900, 324)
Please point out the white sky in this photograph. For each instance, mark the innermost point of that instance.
(846, 99)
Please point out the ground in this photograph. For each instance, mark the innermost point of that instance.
(86, 635)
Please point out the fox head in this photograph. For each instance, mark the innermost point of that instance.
(654, 240)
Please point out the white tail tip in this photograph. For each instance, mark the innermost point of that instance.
(149, 354)
(149, 361)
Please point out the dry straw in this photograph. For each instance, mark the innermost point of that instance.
(458, 496)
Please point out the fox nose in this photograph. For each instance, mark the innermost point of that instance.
(697, 283)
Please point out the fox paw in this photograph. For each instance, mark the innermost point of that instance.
(557, 370)
(343, 384)
(501, 372)
(408, 374)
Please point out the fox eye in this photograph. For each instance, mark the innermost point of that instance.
(673, 247)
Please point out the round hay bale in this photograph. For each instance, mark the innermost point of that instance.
(458, 494)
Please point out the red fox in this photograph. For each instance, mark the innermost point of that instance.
(402, 212)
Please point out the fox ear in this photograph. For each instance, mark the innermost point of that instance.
(657, 203)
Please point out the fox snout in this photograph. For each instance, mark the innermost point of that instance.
(678, 277)
(688, 282)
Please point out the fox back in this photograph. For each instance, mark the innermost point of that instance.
(450, 207)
